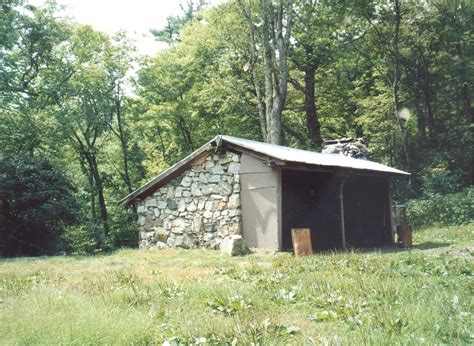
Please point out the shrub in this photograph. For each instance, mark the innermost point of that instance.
(37, 203)
(451, 209)
(82, 239)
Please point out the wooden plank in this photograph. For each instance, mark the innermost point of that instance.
(301, 238)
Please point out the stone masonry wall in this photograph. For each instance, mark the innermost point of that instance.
(197, 209)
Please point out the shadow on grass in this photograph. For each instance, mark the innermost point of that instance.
(430, 245)
(394, 249)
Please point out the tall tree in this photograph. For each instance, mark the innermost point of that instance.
(274, 35)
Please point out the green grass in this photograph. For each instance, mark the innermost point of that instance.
(418, 296)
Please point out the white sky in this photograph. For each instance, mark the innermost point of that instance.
(137, 17)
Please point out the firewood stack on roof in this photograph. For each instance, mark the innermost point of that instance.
(352, 147)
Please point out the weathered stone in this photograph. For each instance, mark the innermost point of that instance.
(233, 168)
(214, 243)
(209, 205)
(224, 159)
(234, 228)
(202, 178)
(236, 187)
(171, 240)
(181, 205)
(210, 228)
(215, 179)
(225, 188)
(208, 237)
(195, 190)
(234, 201)
(186, 181)
(210, 189)
(198, 224)
(191, 206)
(148, 221)
(178, 225)
(220, 205)
(234, 212)
(161, 234)
(197, 209)
(172, 204)
(234, 245)
(160, 246)
(141, 209)
(188, 241)
(217, 169)
(178, 242)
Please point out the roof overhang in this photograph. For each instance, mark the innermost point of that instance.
(276, 156)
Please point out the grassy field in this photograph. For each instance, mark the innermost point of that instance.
(418, 296)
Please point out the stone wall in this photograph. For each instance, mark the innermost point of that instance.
(197, 209)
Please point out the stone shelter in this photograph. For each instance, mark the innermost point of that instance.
(261, 191)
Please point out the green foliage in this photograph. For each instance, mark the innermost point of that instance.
(450, 209)
(37, 203)
(66, 92)
(229, 306)
(81, 239)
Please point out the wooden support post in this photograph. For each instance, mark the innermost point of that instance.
(341, 200)
(390, 208)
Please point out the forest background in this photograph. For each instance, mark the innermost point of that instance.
(84, 120)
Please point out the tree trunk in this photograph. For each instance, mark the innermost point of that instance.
(100, 194)
(312, 121)
(269, 69)
(186, 133)
(253, 67)
(275, 41)
(465, 96)
(395, 80)
(123, 144)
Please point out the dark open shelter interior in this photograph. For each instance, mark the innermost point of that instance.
(313, 200)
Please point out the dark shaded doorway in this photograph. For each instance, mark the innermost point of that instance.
(367, 212)
(311, 200)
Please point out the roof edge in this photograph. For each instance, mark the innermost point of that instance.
(182, 164)
(230, 142)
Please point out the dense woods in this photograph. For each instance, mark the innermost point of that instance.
(84, 119)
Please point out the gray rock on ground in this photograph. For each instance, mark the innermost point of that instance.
(234, 245)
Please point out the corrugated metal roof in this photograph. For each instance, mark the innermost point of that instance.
(306, 157)
(277, 152)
